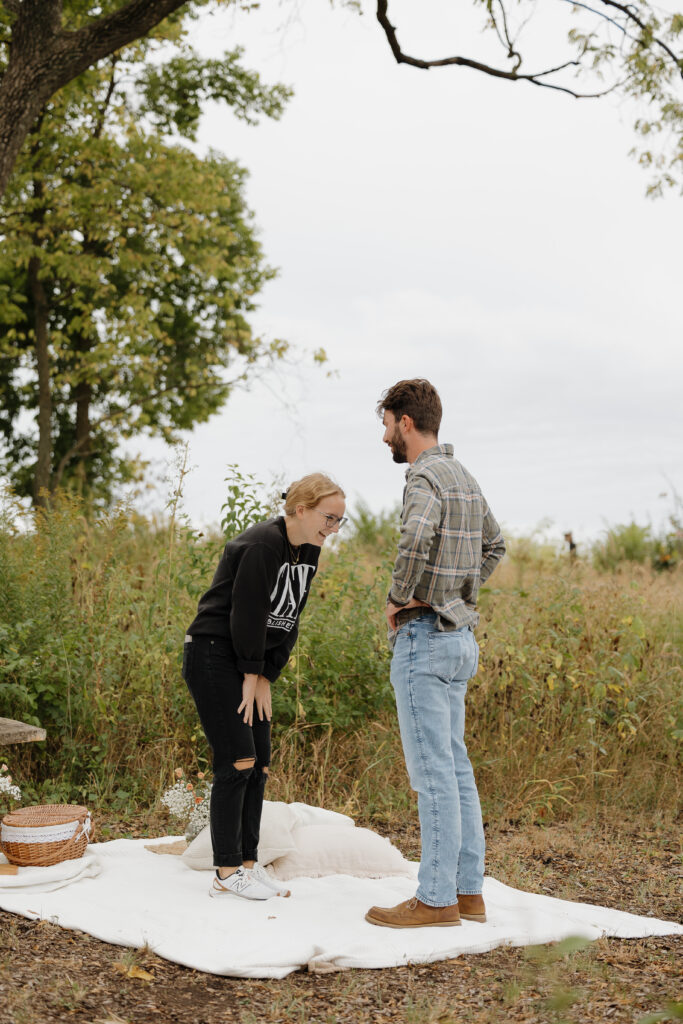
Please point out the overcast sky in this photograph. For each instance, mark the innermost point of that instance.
(492, 237)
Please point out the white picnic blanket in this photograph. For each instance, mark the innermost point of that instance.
(54, 876)
(125, 894)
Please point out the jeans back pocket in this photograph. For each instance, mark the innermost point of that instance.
(452, 654)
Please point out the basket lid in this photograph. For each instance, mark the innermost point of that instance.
(45, 814)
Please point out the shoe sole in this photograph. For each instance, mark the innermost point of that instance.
(435, 924)
(252, 899)
(481, 918)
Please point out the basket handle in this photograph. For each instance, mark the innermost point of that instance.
(86, 827)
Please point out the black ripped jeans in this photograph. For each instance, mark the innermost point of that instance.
(237, 795)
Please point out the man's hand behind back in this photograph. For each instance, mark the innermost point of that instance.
(392, 609)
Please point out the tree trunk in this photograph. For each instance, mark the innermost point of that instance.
(41, 483)
(83, 397)
(43, 58)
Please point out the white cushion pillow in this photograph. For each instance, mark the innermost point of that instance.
(276, 840)
(305, 814)
(339, 850)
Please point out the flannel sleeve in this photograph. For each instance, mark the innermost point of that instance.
(492, 544)
(419, 521)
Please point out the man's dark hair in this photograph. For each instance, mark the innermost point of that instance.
(415, 398)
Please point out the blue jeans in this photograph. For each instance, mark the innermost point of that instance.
(429, 673)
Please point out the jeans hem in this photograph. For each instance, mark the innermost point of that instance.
(227, 860)
(435, 903)
(467, 892)
(250, 855)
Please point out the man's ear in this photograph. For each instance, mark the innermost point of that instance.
(407, 422)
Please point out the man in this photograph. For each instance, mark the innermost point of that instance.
(450, 544)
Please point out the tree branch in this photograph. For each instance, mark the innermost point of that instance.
(102, 113)
(599, 14)
(43, 57)
(511, 76)
(109, 33)
(512, 52)
(627, 9)
(110, 417)
(64, 461)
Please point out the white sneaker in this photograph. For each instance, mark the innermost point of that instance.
(241, 883)
(261, 875)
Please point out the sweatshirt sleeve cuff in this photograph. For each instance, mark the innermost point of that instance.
(252, 668)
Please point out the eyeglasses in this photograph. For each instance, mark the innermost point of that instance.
(332, 522)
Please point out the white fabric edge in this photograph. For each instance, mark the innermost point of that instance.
(517, 918)
(52, 876)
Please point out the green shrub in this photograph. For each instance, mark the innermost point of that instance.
(578, 693)
(92, 617)
(628, 543)
(640, 544)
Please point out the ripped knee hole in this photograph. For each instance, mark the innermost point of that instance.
(244, 763)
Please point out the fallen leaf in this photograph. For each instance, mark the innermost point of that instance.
(133, 972)
(140, 973)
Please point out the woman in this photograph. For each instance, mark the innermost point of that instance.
(239, 642)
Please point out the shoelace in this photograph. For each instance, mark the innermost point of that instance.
(261, 875)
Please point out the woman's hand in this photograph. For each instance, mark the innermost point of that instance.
(262, 697)
(248, 690)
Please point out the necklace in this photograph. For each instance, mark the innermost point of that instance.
(295, 558)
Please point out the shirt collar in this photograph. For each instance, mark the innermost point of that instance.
(428, 453)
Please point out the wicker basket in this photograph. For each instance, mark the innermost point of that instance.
(44, 835)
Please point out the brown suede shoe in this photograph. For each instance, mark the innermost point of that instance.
(414, 913)
(472, 908)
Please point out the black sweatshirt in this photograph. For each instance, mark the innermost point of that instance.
(256, 596)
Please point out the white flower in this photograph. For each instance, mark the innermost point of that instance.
(188, 805)
(6, 787)
(199, 816)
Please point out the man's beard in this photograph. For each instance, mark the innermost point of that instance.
(399, 452)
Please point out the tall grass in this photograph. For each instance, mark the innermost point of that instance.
(578, 696)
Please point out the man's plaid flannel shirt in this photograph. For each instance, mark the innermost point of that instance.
(450, 542)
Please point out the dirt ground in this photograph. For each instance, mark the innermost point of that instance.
(51, 975)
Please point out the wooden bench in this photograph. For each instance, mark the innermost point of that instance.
(11, 732)
(18, 732)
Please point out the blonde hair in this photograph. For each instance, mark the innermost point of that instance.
(310, 491)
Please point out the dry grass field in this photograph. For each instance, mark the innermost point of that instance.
(575, 723)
